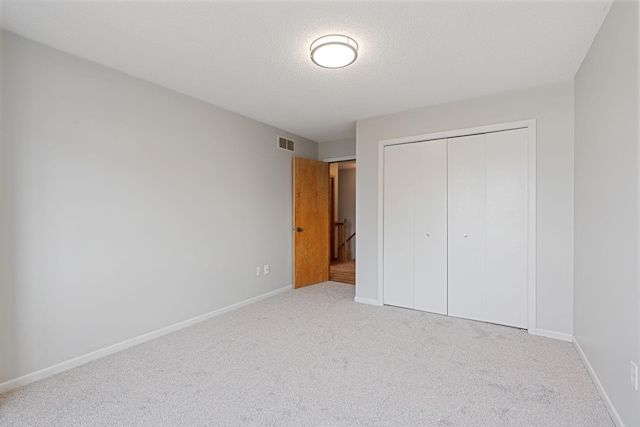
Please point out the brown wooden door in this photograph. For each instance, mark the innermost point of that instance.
(311, 222)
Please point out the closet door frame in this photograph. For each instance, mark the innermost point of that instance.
(530, 125)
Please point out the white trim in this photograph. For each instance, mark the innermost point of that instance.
(531, 250)
(81, 360)
(460, 132)
(380, 222)
(532, 283)
(368, 301)
(603, 394)
(339, 159)
(562, 336)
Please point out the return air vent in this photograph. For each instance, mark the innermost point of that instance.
(286, 144)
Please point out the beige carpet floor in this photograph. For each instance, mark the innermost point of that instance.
(315, 357)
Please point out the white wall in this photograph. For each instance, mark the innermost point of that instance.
(126, 207)
(552, 106)
(347, 205)
(337, 149)
(607, 213)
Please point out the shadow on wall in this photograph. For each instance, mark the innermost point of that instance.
(9, 328)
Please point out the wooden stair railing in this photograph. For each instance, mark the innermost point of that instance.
(346, 255)
(340, 226)
(342, 240)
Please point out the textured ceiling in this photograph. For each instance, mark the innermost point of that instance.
(253, 57)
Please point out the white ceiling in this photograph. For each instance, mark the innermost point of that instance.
(253, 57)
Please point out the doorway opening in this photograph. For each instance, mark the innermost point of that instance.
(343, 221)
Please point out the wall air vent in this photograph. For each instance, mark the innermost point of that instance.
(286, 144)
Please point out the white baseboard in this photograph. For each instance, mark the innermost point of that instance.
(562, 336)
(81, 360)
(603, 394)
(367, 301)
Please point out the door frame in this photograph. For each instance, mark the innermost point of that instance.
(530, 125)
(339, 159)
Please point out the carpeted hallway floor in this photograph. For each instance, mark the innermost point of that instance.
(315, 357)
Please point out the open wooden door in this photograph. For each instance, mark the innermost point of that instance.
(311, 222)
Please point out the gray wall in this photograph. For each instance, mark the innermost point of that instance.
(126, 207)
(552, 106)
(607, 214)
(336, 149)
(347, 205)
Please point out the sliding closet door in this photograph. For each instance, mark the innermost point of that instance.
(430, 226)
(456, 226)
(398, 225)
(467, 203)
(506, 227)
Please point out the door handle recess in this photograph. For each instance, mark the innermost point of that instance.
(298, 229)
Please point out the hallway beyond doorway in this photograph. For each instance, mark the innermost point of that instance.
(343, 272)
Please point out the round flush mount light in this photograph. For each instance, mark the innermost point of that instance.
(334, 51)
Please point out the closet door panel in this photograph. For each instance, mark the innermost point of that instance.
(466, 213)
(506, 227)
(430, 226)
(398, 225)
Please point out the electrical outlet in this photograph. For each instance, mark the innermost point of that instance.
(266, 269)
(258, 271)
(634, 376)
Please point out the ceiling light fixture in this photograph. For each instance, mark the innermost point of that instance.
(334, 51)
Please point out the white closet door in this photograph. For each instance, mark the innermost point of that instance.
(506, 227)
(398, 225)
(466, 201)
(430, 226)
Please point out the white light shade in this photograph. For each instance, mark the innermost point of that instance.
(334, 51)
